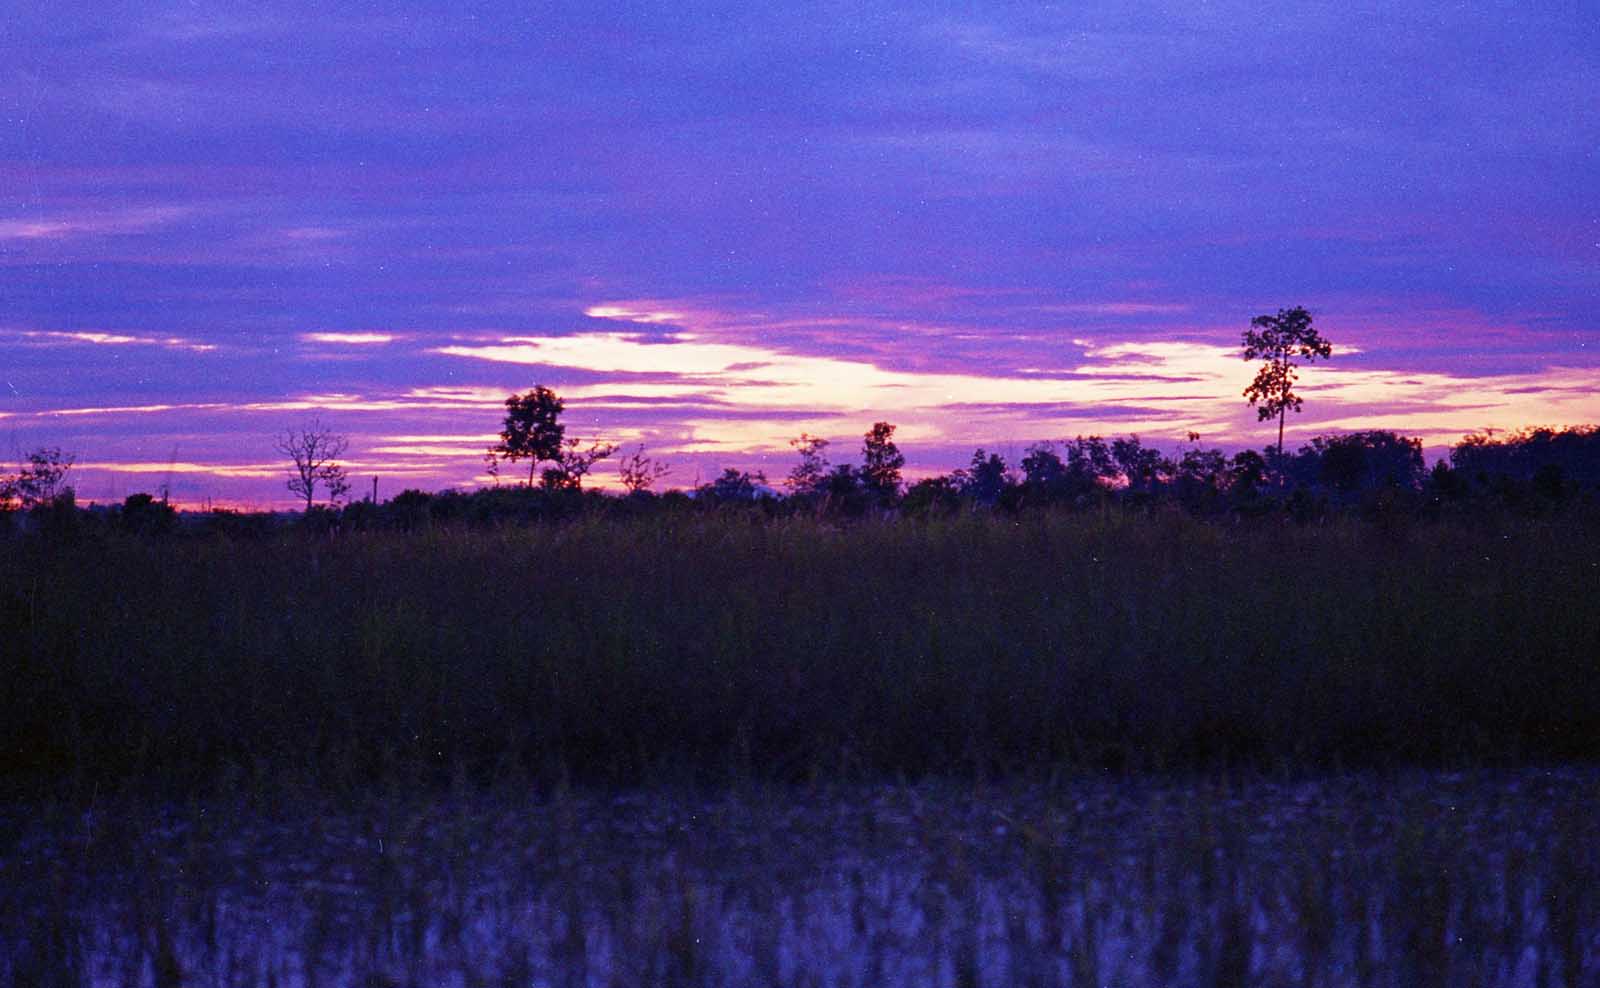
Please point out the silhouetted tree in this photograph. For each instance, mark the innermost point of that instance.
(315, 452)
(735, 485)
(986, 478)
(1574, 451)
(1368, 460)
(810, 474)
(1200, 477)
(1278, 340)
(639, 472)
(881, 461)
(143, 514)
(1042, 467)
(40, 479)
(573, 463)
(1144, 468)
(933, 494)
(1090, 462)
(1246, 475)
(533, 430)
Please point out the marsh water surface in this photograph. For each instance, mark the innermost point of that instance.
(1426, 879)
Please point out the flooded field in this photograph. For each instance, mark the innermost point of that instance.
(1424, 879)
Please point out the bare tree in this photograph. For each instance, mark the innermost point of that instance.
(573, 463)
(315, 451)
(639, 472)
(40, 479)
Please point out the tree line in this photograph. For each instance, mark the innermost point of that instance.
(1381, 469)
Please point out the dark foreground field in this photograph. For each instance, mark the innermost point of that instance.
(1050, 750)
(707, 648)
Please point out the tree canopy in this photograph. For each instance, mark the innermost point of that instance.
(533, 430)
(1277, 341)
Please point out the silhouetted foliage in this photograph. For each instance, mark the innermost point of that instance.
(532, 430)
(1278, 340)
(573, 463)
(143, 514)
(1363, 461)
(881, 461)
(315, 451)
(1201, 478)
(1143, 468)
(987, 478)
(735, 485)
(1570, 455)
(932, 496)
(639, 473)
(39, 481)
(809, 476)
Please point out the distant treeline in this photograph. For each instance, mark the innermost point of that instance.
(1374, 472)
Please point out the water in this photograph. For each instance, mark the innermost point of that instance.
(1430, 879)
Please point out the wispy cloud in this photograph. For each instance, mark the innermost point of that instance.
(99, 223)
(47, 337)
(350, 339)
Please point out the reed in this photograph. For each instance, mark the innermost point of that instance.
(728, 647)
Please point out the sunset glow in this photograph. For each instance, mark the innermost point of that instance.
(712, 230)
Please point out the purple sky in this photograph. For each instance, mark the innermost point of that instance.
(713, 228)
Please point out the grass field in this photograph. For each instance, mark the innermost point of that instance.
(716, 647)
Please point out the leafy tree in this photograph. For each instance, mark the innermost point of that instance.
(144, 514)
(315, 451)
(1144, 467)
(934, 494)
(810, 475)
(1277, 341)
(1200, 476)
(1042, 467)
(639, 472)
(533, 430)
(735, 485)
(881, 461)
(1247, 474)
(1367, 460)
(986, 479)
(1090, 462)
(1522, 454)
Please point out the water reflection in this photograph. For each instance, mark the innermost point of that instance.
(1428, 880)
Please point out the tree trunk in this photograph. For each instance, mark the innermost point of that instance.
(1281, 413)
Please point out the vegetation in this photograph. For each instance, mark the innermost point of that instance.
(716, 641)
(315, 451)
(533, 430)
(1277, 341)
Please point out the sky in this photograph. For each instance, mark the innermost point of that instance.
(712, 227)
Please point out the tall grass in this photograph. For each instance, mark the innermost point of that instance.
(730, 647)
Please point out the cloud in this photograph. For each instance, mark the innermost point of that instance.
(350, 339)
(90, 337)
(99, 223)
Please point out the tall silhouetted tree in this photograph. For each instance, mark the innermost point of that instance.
(315, 452)
(533, 430)
(881, 461)
(1277, 341)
